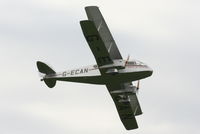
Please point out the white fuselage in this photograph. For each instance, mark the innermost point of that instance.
(116, 72)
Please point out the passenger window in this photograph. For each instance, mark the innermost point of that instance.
(95, 66)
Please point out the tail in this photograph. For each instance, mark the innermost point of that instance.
(45, 69)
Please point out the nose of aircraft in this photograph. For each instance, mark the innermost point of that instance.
(150, 71)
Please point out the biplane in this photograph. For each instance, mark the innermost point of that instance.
(111, 70)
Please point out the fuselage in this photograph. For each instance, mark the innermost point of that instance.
(117, 72)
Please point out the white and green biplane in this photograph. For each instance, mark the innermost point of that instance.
(111, 70)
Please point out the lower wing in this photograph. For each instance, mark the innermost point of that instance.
(126, 102)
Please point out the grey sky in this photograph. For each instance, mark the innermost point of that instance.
(162, 33)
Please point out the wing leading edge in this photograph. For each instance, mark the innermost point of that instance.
(97, 32)
(95, 15)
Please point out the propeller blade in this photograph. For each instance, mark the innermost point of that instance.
(127, 60)
(138, 85)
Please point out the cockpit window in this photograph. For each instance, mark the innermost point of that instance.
(132, 63)
(95, 66)
(135, 63)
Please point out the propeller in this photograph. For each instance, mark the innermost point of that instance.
(138, 87)
(127, 60)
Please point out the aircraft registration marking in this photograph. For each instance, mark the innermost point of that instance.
(75, 72)
(91, 38)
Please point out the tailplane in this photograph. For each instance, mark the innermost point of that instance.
(45, 69)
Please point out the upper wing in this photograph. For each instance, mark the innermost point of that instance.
(101, 28)
(126, 103)
(96, 43)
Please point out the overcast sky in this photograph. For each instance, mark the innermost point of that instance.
(165, 34)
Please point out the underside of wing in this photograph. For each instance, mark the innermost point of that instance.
(126, 102)
(96, 43)
(95, 15)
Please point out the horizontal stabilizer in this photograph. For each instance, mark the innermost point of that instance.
(45, 69)
(50, 82)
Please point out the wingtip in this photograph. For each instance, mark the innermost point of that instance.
(38, 63)
(87, 7)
